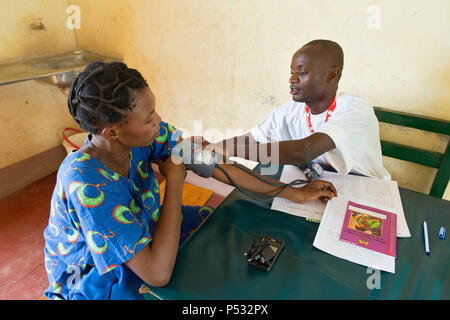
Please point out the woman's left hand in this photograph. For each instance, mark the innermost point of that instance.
(171, 170)
(317, 189)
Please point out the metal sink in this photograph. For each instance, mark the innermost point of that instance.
(64, 79)
(58, 69)
(74, 60)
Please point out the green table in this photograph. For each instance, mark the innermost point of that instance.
(211, 264)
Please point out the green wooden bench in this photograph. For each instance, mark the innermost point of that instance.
(440, 161)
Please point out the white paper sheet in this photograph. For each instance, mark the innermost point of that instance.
(247, 163)
(379, 192)
(327, 239)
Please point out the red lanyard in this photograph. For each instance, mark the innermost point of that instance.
(329, 113)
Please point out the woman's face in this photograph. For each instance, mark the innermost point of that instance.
(141, 127)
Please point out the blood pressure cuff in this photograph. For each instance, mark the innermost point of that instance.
(201, 162)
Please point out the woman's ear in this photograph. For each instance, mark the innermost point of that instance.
(110, 133)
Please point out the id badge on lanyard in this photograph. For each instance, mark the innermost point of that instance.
(329, 113)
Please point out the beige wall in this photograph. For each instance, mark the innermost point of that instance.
(226, 63)
(33, 113)
(19, 40)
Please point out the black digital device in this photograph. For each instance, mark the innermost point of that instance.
(263, 254)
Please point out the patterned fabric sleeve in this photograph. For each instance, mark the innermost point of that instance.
(163, 145)
(113, 233)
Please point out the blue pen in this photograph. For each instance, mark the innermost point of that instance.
(425, 234)
(442, 233)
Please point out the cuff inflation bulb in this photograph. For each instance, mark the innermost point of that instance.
(312, 170)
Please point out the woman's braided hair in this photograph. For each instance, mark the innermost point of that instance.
(103, 93)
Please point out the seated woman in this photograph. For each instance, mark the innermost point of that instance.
(107, 233)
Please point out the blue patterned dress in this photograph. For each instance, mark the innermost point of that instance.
(100, 219)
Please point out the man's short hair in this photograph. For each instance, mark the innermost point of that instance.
(332, 52)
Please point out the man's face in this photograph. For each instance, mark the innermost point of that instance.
(307, 80)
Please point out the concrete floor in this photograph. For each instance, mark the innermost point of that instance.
(23, 218)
